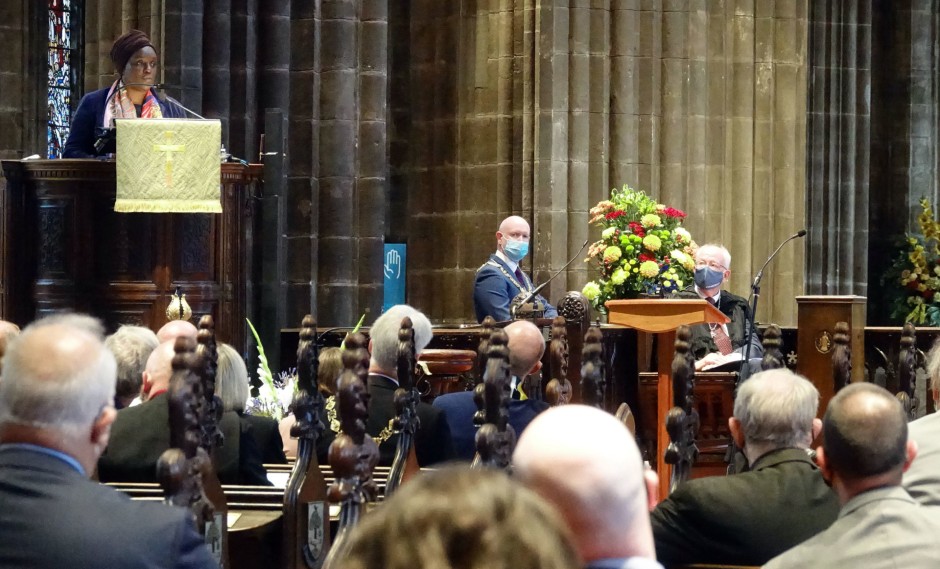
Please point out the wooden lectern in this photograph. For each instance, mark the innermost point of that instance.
(662, 317)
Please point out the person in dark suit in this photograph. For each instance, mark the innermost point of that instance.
(712, 269)
(782, 500)
(501, 278)
(141, 433)
(433, 442)
(865, 451)
(56, 411)
(526, 346)
(130, 96)
(231, 385)
(586, 464)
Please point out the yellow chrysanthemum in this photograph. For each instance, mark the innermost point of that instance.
(650, 221)
(618, 277)
(649, 269)
(612, 254)
(652, 243)
(591, 290)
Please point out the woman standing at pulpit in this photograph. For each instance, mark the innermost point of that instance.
(130, 96)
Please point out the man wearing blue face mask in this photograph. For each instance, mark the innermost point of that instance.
(501, 278)
(714, 344)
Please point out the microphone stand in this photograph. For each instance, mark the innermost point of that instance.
(745, 371)
(539, 288)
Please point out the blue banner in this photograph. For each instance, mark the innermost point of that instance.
(394, 268)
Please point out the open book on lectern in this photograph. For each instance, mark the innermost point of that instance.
(168, 165)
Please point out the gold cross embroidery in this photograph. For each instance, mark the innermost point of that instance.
(168, 148)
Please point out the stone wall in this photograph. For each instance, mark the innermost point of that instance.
(699, 103)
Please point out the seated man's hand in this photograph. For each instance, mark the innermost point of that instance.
(708, 359)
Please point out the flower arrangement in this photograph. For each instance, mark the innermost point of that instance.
(643, 249)
(917, 271)
(276, 394)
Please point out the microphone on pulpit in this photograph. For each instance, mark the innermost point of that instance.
(535, 292)
(755, 295)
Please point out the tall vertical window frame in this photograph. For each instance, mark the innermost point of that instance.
(64, 69)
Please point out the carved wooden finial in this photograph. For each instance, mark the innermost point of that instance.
(907, 375)
(305, 503)
(682, 418)
(496, 438)
(558, 389)
(185, 470)
(406, 398)
(841, 356)
(773, 356)
(593, 382)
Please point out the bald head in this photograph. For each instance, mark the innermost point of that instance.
(587, 464)
(159, 369)
(175, 329)
(526, 346)
(865, 432)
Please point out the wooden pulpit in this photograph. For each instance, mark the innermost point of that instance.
(65, 248)
(662, 317)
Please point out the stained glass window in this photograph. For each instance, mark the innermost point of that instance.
(63, 59)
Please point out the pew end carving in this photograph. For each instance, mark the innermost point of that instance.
(306, 536)
(682, 421)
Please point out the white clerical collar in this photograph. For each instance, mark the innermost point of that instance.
(716, 298)
(388, 377)
(512, 264)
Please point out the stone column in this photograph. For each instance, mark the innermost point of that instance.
(352, 161)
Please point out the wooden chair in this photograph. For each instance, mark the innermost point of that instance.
(306, 510)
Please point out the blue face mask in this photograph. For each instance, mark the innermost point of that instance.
(516, 250)
(707, 277)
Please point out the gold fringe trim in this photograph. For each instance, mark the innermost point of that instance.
(125, 205)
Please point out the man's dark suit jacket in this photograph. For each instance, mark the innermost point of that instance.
(459, 409)
(494, 290)
(140, 434)
(747, 518)
(432, 441)
(267, 438)
(735, 308)
(90, 114)
(54, 517)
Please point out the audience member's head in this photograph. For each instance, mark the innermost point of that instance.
(712, 266)
(57, 388)
(865, 442)
(383, 337)
(8, 331)
(131, 346)
(587, 464)
(330, 365)
(176, 328)
(774, 409)
(461, 518)
(158, 371)
(526, 346)
(231, 379)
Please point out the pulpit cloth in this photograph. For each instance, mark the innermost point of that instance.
(168, 166)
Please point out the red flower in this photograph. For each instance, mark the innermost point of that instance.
(673, 212)
(614, 215)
